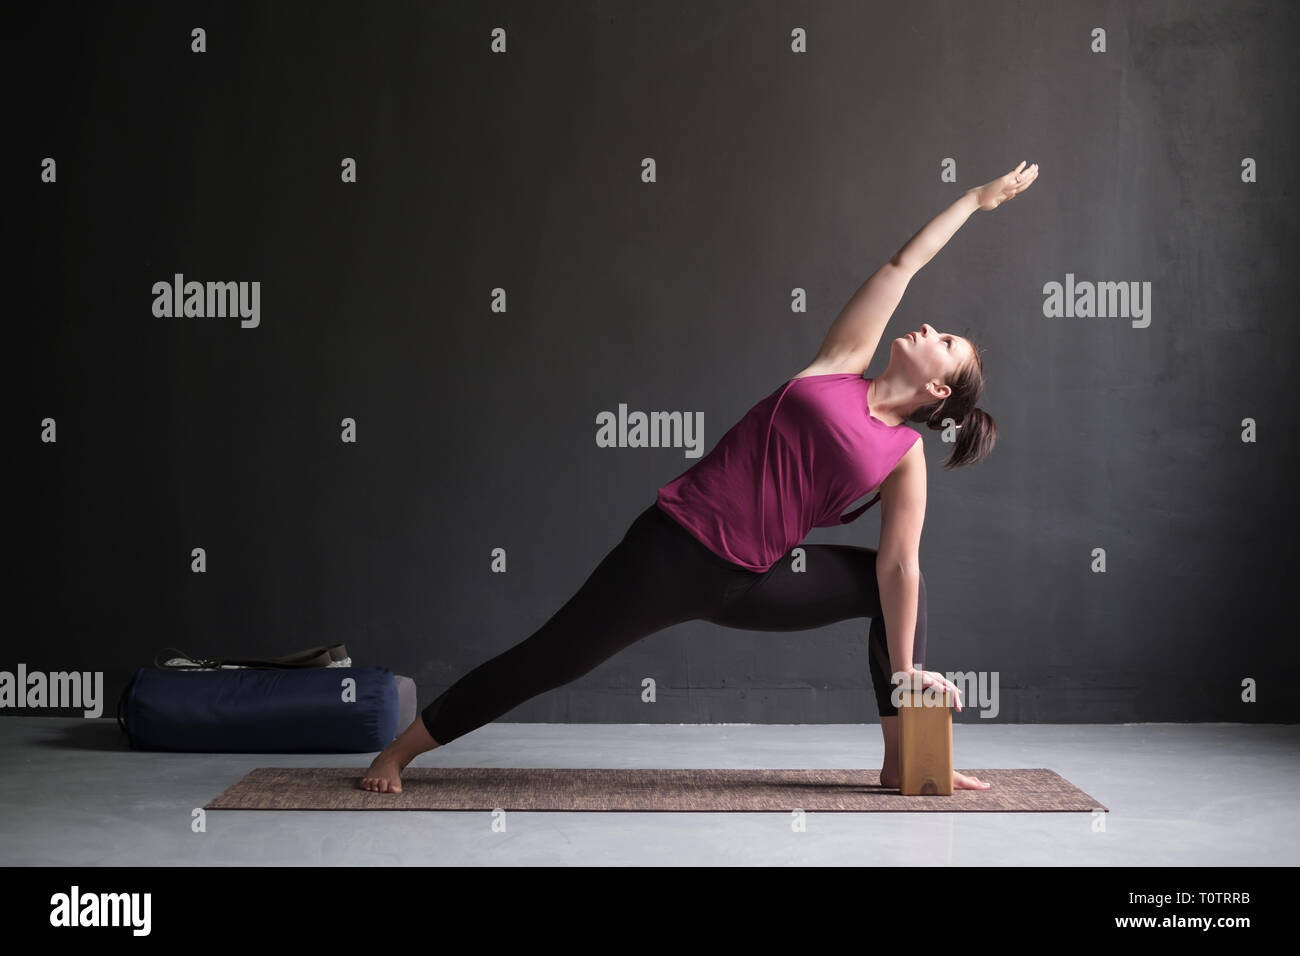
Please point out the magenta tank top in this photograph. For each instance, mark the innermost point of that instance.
(792, 463)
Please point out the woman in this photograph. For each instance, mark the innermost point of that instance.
(716, 544)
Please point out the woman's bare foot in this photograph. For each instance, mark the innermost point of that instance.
(960, 781)
(385, 772)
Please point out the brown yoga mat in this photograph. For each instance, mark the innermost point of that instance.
(695, 791)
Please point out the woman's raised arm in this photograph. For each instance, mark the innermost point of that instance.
(857, 330)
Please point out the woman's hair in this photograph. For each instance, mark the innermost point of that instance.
(977, 432)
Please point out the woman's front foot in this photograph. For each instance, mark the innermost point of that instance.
(889, 779)
(962, 782)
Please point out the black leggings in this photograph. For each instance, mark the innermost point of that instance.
(660, 575)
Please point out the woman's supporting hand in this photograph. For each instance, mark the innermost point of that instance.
(921, 680)
(1004, 188)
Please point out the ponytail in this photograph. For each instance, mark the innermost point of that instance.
(976, 436)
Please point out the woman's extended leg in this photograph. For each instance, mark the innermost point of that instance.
(838, 583)
(656, 576)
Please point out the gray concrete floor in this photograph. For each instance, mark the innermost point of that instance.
(72, 793)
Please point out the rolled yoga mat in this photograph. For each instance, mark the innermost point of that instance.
(640, 790)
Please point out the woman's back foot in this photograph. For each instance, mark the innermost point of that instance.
(384, 775)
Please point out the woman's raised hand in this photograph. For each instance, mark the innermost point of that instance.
(991, 195)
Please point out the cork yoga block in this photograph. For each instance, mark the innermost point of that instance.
(925, 743)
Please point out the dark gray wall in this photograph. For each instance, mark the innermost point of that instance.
(476, 429)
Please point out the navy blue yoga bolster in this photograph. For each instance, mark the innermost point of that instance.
(260, 710)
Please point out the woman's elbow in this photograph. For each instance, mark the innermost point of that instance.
(905, 564)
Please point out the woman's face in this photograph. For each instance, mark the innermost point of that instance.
(928, 355)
